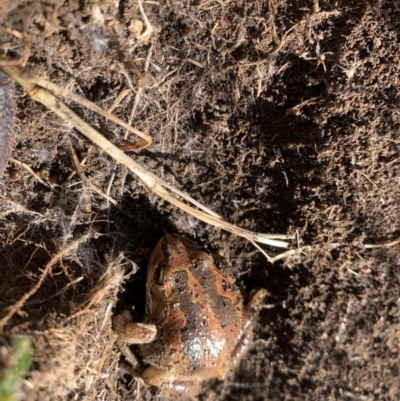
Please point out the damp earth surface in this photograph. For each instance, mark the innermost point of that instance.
(281, 116)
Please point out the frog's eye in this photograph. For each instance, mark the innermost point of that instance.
(158, 275)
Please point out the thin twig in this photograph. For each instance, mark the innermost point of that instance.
(306, 20)
(27, 50)
(20, 208)
(20, 303)
(149, 28)
(82, 163)
(27, 168)
(139, 90)
(386, 245)
(65, 288)
(81, 174)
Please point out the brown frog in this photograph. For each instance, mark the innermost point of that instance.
(195, 326)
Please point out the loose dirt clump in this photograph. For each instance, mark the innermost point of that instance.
(283, 117)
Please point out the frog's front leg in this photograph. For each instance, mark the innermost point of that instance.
(130, 332)
(172, 384)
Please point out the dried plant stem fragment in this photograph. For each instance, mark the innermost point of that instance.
(7, 113)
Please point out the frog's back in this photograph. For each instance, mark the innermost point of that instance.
(203, 322)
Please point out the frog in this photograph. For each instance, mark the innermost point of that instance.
(195, 327)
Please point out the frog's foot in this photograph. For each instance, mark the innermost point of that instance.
(130, 332)
(172, 384)
(256, 301)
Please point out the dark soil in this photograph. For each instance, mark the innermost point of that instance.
(282, 116)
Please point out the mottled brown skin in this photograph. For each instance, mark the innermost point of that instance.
(202, 328)
(7, 113)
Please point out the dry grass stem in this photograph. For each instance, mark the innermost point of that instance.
(155, 184)
(91, 106)
(139, 90)
(56, 294)
(149, 28)
(57, 257)
(81, 174)
(386, 245)
(306, 20)
(19, 208)
(282, 255)
(118, 100)
(27, 168)
(82, 163)
(27, 50)
(194, 62)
